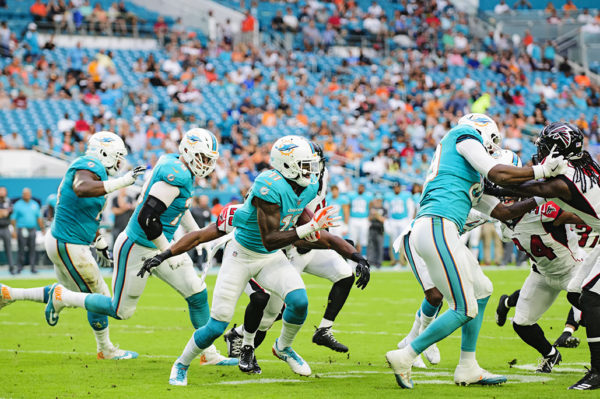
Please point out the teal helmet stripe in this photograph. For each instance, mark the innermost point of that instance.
(214, 142)
(312, 147)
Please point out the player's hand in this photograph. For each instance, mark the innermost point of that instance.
(132, 175)
(313, 237)
(552, 165)
(363, 270)
(153, 262)
(105, 257)
(322, 219)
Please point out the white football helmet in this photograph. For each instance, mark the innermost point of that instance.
(296, 159)
(109, 149)
(507, 157)
(492, 139)
(200, 150)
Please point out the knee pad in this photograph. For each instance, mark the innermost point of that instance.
(259, 299)
(296, 308)
(206, 335)
(98, 322)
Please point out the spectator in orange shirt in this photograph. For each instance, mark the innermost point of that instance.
(217, 207)
(38, 10)
(301, 117)
(550, 7)
(583, 80)
(582, 123)
(247, 27)
(269, 118)
(569, 6)
(333, 85)
(209, 73)
(527, 38)
(3, 145)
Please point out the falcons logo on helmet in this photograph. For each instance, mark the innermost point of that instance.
(562, 133)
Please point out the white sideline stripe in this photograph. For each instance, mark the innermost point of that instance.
(18, 323)
(556, 369)
(257, 381)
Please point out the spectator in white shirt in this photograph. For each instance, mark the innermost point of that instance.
(290, 20)
(172, 66)
(372, 24)
(65, 124)
(501, 8)
(585, 17)
(14, 142)
(375, 10)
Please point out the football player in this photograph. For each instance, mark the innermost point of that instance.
(576, 191)
(358, 223)
(453, 184)
(266, 223)
(163, 205)
(401, 210)
(78, 210)
(491, 209)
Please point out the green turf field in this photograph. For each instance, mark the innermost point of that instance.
(38, 361)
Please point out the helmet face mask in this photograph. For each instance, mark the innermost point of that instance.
(200, 151)
(109, 149)
(296, 159)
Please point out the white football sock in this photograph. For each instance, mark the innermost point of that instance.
(239, 330)
(416, 327)
(288, 333)
(190, 352)
(103, 340)
(27, 294)
(325, 323)
(248, 338)
(467, 358)
(425, 321)
(73, 299)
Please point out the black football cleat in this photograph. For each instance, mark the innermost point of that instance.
(502, 311)
(323, 336)
(234, 342)
(590, 381)
(567, 340)
(248, 363)
(548, 362)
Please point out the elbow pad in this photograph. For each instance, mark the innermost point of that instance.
(149, 217)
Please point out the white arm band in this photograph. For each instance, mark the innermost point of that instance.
(120, 182)
(188, 222)
(476, 154)
(306, 229)
(487, 204)
(161, 243)
(164, 192)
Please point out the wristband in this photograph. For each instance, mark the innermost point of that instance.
(165, 255)
(115, 184)
(538, 172)
(305, 230)
(356, 257)
(539, 200)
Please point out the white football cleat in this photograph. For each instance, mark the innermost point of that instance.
(115, 353)
(178, 374)
(433, 354)
(294, 360)
(55, 304)
(401, 363)
(474, 374)
(212, 357)
(5, 298)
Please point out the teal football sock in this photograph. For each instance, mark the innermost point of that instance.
(439, 329)
(199, 310)
(470, 331)
(101, 304)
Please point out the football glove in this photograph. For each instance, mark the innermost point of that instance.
(363, 270)
(153, 262)
(104, 255)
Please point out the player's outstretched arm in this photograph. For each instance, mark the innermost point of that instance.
(566, 217)
(476, 154)
(550, 188)
(517, 209)
(184, 244)
(88, 184)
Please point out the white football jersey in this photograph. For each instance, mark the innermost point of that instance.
(586, 204)
(225, 219)
(587, 238)
(553, 249)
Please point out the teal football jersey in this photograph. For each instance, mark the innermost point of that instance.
(340, 201)
(359, 204)
(452, 186)
(76, 219)
(172, 171)
(272, 187)
(398, 205)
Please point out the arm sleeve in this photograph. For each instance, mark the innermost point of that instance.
(188, 222)
(487, 204)
(164, 192)
(475, 153)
